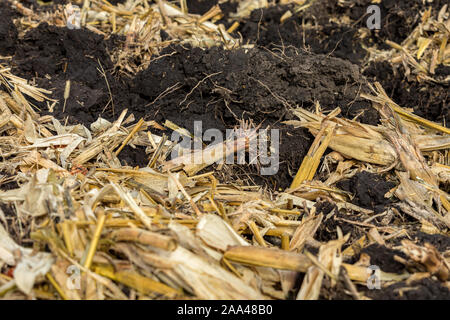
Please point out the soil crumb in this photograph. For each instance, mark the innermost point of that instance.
(369, 190)
(383, 257)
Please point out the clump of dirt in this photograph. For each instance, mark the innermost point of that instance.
(230, 85)
(383, 257)
(398, 18)
(54, 51)
(333, 218)
(264, 28)
(294, 144)
(424, 289)
(53, 55)
(113, 2)
(440, 242)
(369, 190)
(325, 207)
(8, 31)
(49, 4)
(200, 6)
(442, 71)
(136, 156)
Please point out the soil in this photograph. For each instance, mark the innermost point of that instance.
(239, 84)
(425, 289)
(50, 3)
(369, 190)
(114, 2)
(133, 156)
(332, 218)
(440, 242)
(200, 6)
(214, 86)
(264, 28)
(320, 29)
(383, 257)
(243, 80)
(8, 31)
(10, 184)
(429, 100)
(313, 56)
(52, 55)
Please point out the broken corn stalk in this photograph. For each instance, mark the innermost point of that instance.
(311, 161)
(134, 280)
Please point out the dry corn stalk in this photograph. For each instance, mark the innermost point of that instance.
(429, 257)
(145, 237)
(329, 262)
(279, 259)
(304, 232)
(426, 47)
(200, 159)
(351, 139)
(311, 161)
(412, 159)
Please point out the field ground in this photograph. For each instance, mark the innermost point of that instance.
(87, 179)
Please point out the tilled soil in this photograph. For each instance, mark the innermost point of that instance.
(310, 57)
(228, 85)
(322, 29)
(369, 190)
(330, 27)
(429, 100)
(8, 31)
(53, 55)
(425, 289)
(214, 86)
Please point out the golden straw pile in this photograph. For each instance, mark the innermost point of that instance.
(165, 231)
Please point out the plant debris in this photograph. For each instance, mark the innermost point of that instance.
(99, 201)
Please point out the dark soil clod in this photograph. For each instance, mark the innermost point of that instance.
(369, 190)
